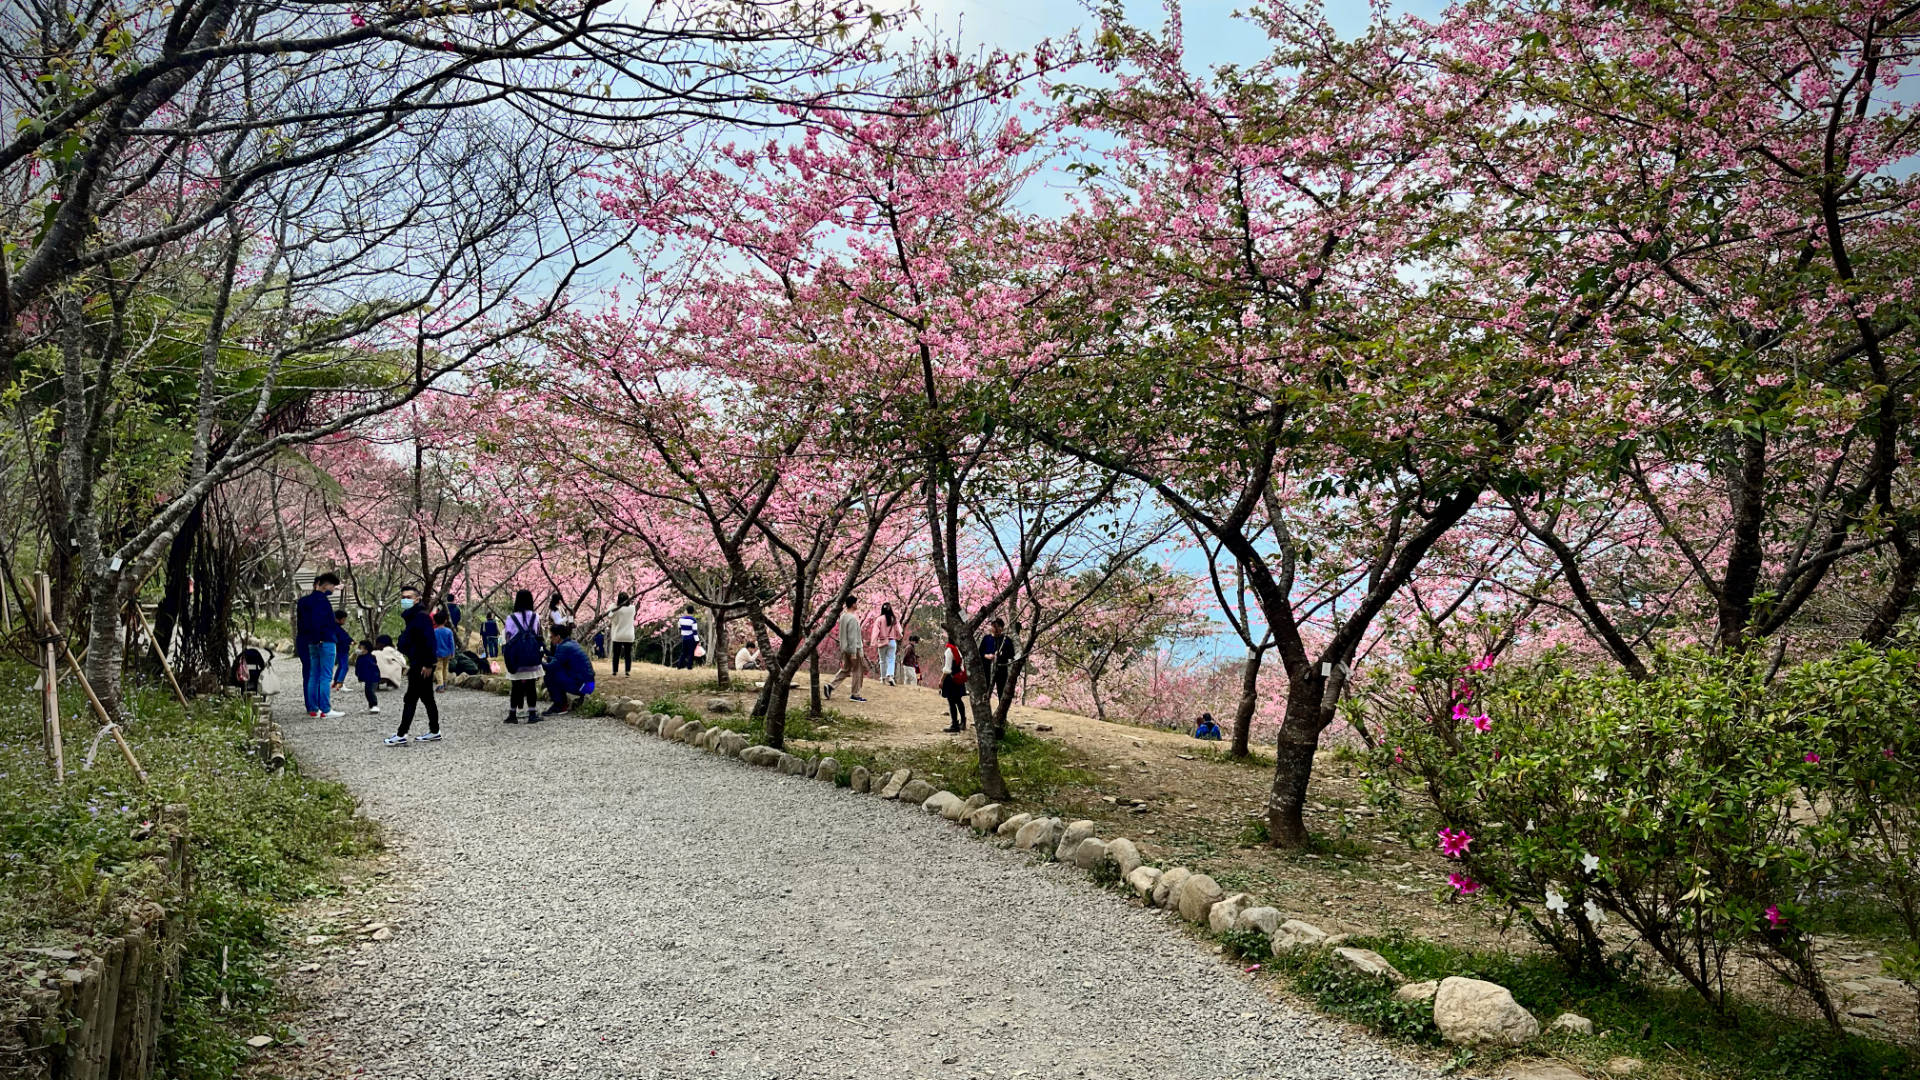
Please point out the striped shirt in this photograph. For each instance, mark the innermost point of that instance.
(689, 626)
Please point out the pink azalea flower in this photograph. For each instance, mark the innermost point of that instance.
(1887, 753)
(1481, 723)
(1774, 918)
(1812, 758)
(1459, 711)
(1463, 884)
(1399, 756)
(1454, 842)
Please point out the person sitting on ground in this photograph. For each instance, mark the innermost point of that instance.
(393, 666)
(366, 668)
(569, 673)
(748, 658)
(1206, 728)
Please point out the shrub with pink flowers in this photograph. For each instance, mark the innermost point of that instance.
(1709, 809)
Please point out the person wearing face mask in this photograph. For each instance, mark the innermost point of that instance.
(417, 644)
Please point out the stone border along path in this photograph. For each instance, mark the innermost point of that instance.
(600, 905)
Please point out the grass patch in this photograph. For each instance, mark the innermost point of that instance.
(77, 856)
(832, 724)
(1037, 770)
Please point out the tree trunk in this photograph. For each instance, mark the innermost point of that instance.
(813, 681)
(173, 600)
(1294, 750)
(106, 648)
(720, 650)
(1099, 706)
(1249, 697)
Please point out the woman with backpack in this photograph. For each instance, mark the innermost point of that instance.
(524, 659)
(953, 685)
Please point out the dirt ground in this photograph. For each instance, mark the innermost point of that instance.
(1186, 803)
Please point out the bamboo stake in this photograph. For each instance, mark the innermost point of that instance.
(105, 717)
(159, 652)
(49, 680)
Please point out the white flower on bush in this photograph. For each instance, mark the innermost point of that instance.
(1555, 902)
(1594, 914)
(1600, 775)
(1589, 862)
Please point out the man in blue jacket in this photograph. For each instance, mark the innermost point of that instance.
(417, 645)
(570, 672)
(313, 641)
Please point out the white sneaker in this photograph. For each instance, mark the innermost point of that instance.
(431, 736)
(396, 740)
(333, 712)
(373, 708)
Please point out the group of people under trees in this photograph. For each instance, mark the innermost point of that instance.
(538, 651)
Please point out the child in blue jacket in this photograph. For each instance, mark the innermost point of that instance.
(570, 672)
(366, 668)
(443, 650)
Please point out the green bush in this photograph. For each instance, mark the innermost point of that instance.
(1707, 808)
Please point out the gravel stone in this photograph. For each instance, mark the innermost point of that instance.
(554, 932)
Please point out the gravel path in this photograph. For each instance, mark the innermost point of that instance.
(600, 903)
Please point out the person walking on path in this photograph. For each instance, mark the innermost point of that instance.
(689, 639)
(417, 645)
(443, 650)
(523, 659)
(620, 633)
(910, 660)
(569, 673)
(366, 668)
(888, 640)
(490, 636)
(853, 652)
(953, 685)
(313, 630)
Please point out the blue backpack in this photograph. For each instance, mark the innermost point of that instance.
(522, 652)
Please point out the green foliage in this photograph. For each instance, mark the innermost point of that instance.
(1038, 772)
(1252, 945)
(591, 705)
(1364, 999)
(1707, 808)
(78, 856)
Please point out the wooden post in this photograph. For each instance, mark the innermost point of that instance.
(49, 680)
(105, 717)
(147, 631)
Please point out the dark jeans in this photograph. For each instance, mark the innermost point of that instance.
(419, 692)
(491, 646)
(519, 690)
(956, 712)
(686, 653)
(559, 696)
(373, 699)
(622, 650)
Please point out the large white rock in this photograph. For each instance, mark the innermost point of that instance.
(860, 780)
(1227, 912)
(1040, 834)
(1142, 881)
(1264, 920)
(1471, 1011)
(944, 803)
(1076, 832)
(976, 800)
(1294, 936)
(986, 818)
(829, 769)
(670, 727)
(916, 792)
(731, 744)
(1123, 853)
(1368, 962)
(1170, 880)
(1090, 853)
(896, 782)
(1011, 826)
(1198, 894)
(1571, 1022)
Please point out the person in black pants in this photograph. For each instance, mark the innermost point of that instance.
(417, 645)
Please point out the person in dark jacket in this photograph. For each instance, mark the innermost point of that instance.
(1206, 728)
(417, 645)
(569, 673)
(313, 630)
(366, 668)
(490, 637)
(453, 614)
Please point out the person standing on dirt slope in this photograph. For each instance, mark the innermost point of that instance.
(418, 646)
(853, 652)
(953, 685)
(689, 639)
(888, 640)
(620, 633)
